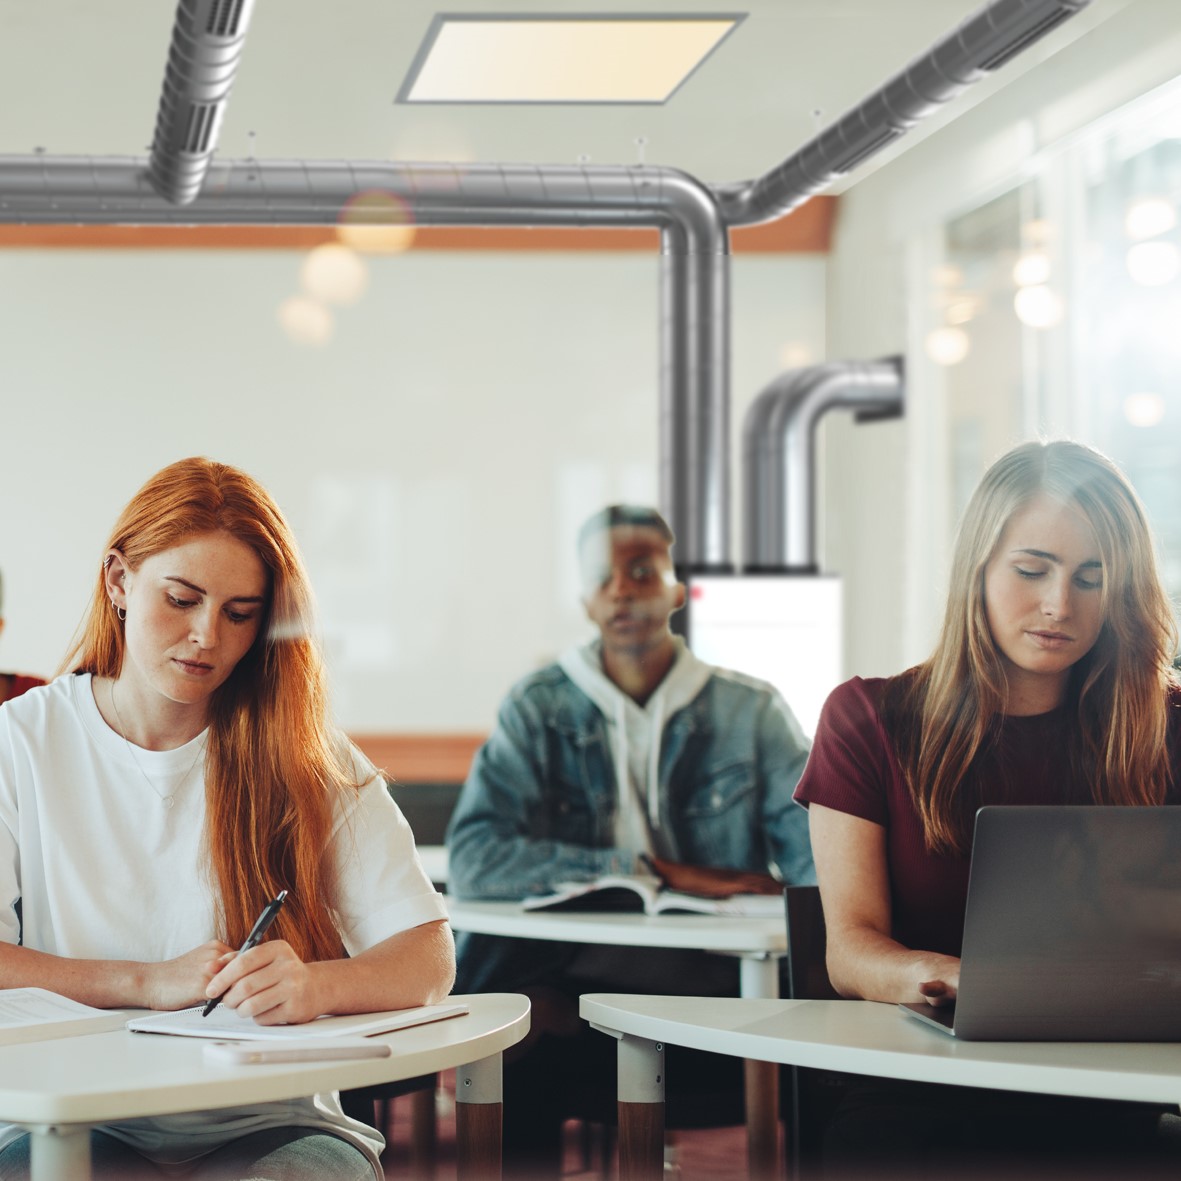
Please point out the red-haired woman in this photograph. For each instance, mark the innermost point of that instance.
(181, 774)
(1051, 683)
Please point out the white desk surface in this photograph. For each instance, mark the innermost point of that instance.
(434, 861)
(119, 1075)
(865, 1037)
(740, 936)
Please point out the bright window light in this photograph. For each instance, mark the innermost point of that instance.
(561, 59)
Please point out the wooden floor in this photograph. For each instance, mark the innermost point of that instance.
(715, 1154)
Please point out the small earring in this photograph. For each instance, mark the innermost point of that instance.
(119, 611)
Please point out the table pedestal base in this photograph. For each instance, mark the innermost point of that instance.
(59, 1153)
(478, 1120)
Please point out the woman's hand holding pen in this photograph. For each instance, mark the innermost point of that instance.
(182, 981)
(269, 983)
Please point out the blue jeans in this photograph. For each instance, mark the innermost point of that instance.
(274, 1154)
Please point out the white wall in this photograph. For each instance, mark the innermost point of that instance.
(886, 520)
(435, 458)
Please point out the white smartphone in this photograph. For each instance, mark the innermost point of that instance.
(304, 1050)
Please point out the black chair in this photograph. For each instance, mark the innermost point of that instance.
(427, 808)
(372, 1106)
(814, 1094)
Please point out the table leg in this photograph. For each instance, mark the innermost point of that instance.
(759, 977)
(478, 1114)
(59, 1153)
(424, 1134)
(640, 1089)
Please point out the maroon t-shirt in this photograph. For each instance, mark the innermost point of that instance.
(853, 768)
(19, 684)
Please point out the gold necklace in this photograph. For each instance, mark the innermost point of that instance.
(168, 800)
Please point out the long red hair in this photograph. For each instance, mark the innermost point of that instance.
(274, 765)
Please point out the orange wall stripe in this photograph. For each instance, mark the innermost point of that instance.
(807, 230)
(421, 758)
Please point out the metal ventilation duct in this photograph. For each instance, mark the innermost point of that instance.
(176, 185)
(207, 40)
(982, 43)
(695, 314)
(779, 453)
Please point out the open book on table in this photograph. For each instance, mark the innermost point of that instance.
(225, 1023)
(36, 1014)
(637, 892)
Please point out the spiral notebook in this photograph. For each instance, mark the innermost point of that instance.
(226, 1025)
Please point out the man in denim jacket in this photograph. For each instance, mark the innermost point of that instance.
(627, 755)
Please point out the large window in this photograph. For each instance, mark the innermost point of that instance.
(1057, 311)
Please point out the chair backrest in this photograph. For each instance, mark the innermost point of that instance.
(807, 972)
(427, 808)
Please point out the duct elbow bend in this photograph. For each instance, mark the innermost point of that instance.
(693, 210)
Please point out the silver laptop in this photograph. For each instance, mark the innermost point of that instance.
(1073, 927)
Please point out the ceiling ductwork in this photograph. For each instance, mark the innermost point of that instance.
(981, 44)
(207, 40)
(779, 442)
(178, 185)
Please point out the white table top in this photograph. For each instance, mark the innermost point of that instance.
(622, 929)
(865, 1037)
(434, 861)
(100, 1077)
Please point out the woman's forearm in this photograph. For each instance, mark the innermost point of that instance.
(105, 984)
(867, 964)
(415, 967)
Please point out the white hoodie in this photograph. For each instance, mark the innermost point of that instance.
(634, 733)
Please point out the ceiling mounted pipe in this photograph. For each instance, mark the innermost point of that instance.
(982, 43)
(693, 218)
(779, 454)
(207, 41)
(694, 317)
(113, 190)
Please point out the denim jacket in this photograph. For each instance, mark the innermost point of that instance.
(538, 806)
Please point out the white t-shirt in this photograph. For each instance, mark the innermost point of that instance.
(107, 868)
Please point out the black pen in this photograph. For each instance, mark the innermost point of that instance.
(256, 933)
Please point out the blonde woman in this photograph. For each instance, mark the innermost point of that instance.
(1051, 683)
(179, 775)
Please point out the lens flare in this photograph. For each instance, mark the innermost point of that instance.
(948, 345)
(1144, 409)
(305, 321)
(1148, 217)
(376, 222)
(962, 310)
(1031, 269)
(1153, 264)
(795, 355)
(1038, 306)
(334, 274)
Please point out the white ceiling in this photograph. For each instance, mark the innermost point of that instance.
(318, 81)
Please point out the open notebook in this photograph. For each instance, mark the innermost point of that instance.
(637, 892)
(36, 1014)
(226, 1025)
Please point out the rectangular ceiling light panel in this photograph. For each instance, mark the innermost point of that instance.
(561, 59)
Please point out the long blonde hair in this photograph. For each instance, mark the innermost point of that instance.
(274, 765)
(944, 713)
